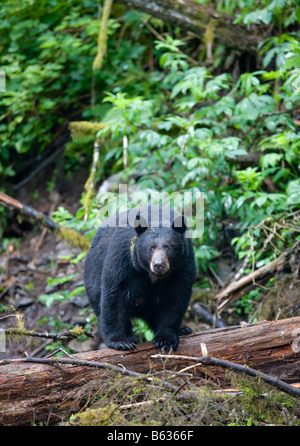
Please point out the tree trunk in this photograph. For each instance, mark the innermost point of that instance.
(192, 16)
(31, 391)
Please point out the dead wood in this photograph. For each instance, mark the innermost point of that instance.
(195, 17)
(70, 235)
(32, 391)
(229, 365)
(235, 289)
(199, 310)
(68, 334)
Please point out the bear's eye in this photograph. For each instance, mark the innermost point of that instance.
(167, 246)
(152, 247)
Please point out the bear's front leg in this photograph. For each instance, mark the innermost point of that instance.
(114, 321)
(174, 295)
(121, 342)
(117, 335)
(167, 325)
(166, 339)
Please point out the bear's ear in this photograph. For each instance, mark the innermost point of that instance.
(140, 224)
(179, 224)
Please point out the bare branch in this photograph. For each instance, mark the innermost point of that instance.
(208, 360)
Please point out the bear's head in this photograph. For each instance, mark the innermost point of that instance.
(159, 247)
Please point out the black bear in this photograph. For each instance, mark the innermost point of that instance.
(141, 265)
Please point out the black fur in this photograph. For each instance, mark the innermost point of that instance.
(120, 284)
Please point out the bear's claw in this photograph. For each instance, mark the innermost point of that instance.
(185, 331)
(165, 343)
(122, 344)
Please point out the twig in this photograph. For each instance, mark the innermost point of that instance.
(54, 336)
(102, 365)
(55, 202)
(51, 157)
(237, 274)
(159, 36)
(41, 347)
(252, 277)
(218, 279)
(7, 316)
(58, 351)
(142, 403)
(208, 360)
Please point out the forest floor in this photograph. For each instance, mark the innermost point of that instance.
(31, 259)
(35, 263)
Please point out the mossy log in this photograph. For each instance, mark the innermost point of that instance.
(195, 17)
(69, 235)
(30, 391)
(83, 129)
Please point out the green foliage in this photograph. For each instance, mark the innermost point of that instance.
(46, 51)
(245, 306)
(142, 330)
(283, 12)
(37, 56)
(185, 124)
(61, 295)
(194, 143)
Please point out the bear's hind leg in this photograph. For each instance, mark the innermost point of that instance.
(185, 331)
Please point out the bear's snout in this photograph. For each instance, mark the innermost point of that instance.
(159, 262)
(159, 268)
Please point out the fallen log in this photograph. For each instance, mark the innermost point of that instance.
(195, 17)
(32, 391)
(235, 289)
(198, 309)
(71, 236)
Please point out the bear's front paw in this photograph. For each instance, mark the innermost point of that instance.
(166, 341)
(121, 344)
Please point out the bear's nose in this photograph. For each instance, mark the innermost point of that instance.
(159, 267)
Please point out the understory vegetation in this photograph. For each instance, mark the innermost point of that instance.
(127, 402)
(168, 110)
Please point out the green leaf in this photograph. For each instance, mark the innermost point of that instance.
(270, 160)
(49, 299)
(60, 280)
(293, 192)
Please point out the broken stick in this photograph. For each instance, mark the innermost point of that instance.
(69, 235)
(227, 295)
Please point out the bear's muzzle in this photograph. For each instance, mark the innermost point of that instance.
(159, 264)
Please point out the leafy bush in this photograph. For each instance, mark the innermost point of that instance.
(47, 50)
(194, 143)
(182, 125)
